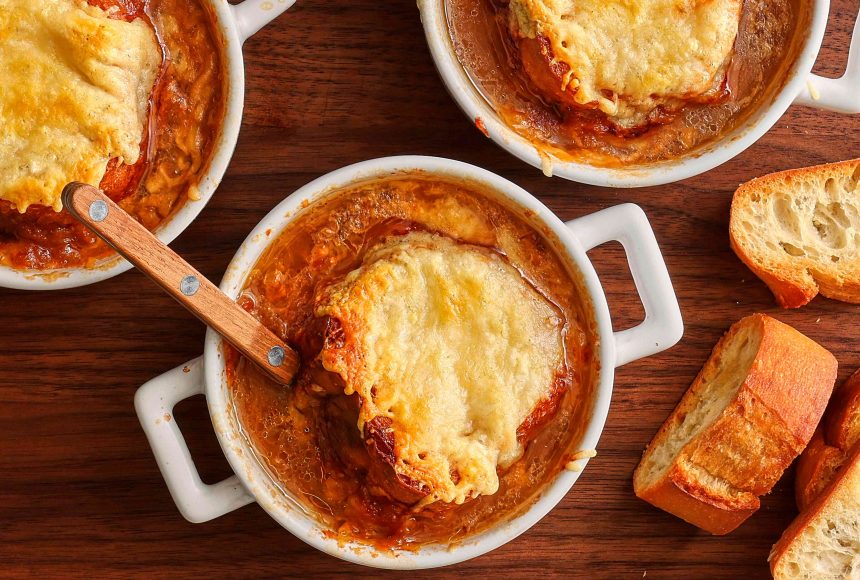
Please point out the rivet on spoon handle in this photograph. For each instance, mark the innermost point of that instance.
(200, 296)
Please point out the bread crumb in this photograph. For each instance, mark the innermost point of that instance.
(194, 193)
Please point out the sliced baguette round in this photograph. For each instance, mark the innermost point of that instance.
(752, 409)
(799, 231)
(843, 418)
(815, 468)
(823, 542)
(832, 443)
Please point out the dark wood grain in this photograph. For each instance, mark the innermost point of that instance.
(328, 84)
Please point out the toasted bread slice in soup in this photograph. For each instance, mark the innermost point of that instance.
(823, 542)
(746, 417)
(799, 231)
(452, 353)
(631, 59)
(76, 90)
(832, 444)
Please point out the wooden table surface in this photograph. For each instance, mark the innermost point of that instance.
(328, 84)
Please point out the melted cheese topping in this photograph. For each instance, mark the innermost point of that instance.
(629, 56)
(76, 87)
(455, 347)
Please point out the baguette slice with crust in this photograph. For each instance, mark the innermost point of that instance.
(823, 542)
(843, 420)
(831, 446)
(746, 417)
(799, 231)
(816, 466)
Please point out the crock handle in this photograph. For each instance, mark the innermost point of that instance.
(841, 95)
(154, 402)
(662, 327)
(252, 15)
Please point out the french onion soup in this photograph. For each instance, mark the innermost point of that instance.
(448, 361)
(127, 95)
(622, 82)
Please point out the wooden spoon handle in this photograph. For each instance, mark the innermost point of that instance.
(200, 296)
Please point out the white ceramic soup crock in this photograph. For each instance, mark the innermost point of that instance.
(802, 87)
(236, 23)
(199, 502)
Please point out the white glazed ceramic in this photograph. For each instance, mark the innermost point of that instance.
(199, 502)
(236, 23)
(802, 87)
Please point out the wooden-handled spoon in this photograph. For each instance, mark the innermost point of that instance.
(200, 296)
